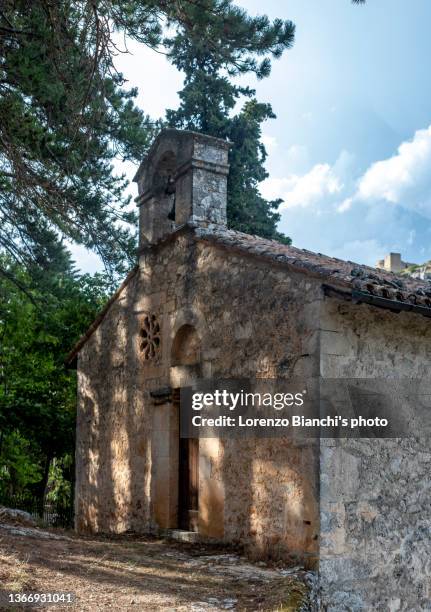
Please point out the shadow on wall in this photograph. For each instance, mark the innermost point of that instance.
(113, 462)
(269, 487)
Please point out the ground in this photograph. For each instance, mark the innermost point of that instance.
(142, 573)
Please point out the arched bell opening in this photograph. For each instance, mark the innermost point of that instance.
(164, 185)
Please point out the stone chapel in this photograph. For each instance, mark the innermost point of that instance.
(205, 301)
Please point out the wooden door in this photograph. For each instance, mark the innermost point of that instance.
(188, 484)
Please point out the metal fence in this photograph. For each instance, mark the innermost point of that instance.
(50, 514)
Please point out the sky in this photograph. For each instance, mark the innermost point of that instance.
(350, 149)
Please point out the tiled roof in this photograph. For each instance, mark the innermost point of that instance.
(347, 274)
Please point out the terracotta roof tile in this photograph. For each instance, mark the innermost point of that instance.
(345, 273)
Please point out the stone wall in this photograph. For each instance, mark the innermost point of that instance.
(375, 511)
(251, 320)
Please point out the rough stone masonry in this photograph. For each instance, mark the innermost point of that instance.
(207, 302)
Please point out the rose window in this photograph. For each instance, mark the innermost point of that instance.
(149, 338)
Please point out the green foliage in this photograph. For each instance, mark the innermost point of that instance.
(210, 52)
(59, 486)
(37, 329)
(19, 469)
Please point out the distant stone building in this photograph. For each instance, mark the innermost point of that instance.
(392, 263)
(207, 302)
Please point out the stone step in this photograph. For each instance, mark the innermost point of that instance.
(181, 535)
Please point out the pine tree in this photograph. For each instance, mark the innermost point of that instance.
(64, 116)
(65, 113)
(211, 53)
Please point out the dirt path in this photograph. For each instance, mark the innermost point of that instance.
(144, 574)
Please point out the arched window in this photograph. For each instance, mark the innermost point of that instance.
(186, 347)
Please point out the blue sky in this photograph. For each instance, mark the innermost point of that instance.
(350, 150)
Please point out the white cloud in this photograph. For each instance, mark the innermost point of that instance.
(345, 205)
(404, 178)
(335, 209)
(270, 142)
(320, 182)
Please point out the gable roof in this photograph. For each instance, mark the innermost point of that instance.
(344, 274)
(344, 279)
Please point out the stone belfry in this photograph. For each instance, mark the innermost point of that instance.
(182, 180)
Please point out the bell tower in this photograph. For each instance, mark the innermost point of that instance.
(182, 180)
